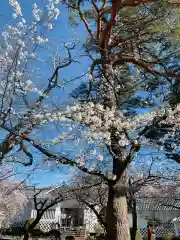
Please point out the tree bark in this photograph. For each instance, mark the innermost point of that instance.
(117, 207)
(117, 214)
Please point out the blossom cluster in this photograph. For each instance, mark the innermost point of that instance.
(20, 40)
(100, 120)
(51, 11)
(17, 8)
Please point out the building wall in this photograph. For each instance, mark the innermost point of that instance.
(177, 224)
(90, 220)
(141, 221)
(58, 213)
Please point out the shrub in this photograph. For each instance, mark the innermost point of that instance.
(54, 233)
(14, 231)
(138, 235)
(169, 236)
(37, 232)
(90, 238)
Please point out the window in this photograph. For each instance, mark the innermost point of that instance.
(72, 217)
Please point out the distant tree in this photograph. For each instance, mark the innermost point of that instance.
(43, 200)
(12, 202)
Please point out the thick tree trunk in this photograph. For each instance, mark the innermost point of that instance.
(117, 214)
(117, 207)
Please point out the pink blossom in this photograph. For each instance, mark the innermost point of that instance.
(100, 157)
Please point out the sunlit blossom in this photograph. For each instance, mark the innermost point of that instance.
(17, 7)
(50, 26)
(100, 157)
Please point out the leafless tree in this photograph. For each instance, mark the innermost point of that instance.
(43, 200)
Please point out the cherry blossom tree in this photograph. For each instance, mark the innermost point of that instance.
(12, 201)
(20, 52)
(101, 124)
(21, 48)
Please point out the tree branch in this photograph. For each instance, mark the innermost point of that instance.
(142, 64)
(81, 15)
(61, 159)
(12, 139)
(92, 207)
